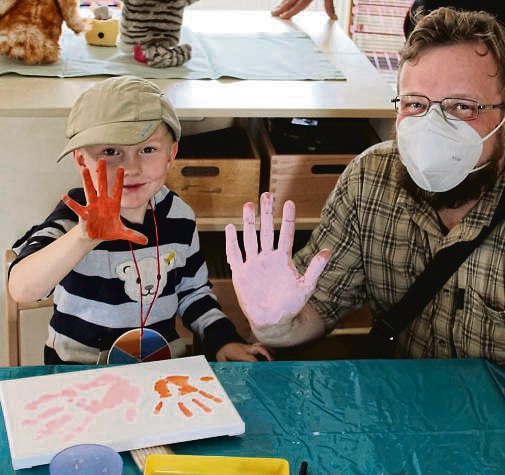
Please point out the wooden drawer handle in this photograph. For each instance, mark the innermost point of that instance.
(327, 169)
(190, 171)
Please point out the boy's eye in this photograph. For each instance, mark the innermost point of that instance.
(148, 149)
(110, 152)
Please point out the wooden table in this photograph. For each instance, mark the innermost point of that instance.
(363, 94)
(343, 417)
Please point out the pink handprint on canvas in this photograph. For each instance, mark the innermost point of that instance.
(69, 411)
(187, 395)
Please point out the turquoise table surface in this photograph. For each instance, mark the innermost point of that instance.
(352, 417)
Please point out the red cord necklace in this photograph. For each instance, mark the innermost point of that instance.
(143, 344)
(143, 319)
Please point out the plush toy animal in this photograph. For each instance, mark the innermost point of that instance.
(151, 30)
(30, 29)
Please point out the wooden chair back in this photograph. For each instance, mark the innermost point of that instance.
(13, 323)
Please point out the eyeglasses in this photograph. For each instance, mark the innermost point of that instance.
(453, 108)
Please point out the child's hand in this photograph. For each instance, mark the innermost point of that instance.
(269, 289)
(243, 352)
(101, 214)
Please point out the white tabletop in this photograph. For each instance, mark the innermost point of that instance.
(363, 94)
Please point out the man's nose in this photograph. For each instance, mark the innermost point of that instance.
(435, 108)
(434, 105)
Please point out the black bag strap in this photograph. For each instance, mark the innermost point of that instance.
(443, 265)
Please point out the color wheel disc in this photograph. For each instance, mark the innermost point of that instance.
(136, 346)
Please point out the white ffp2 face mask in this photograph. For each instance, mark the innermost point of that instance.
(437, 153)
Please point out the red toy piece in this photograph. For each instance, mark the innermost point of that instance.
(138, 54)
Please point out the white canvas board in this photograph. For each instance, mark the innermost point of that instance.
(125, 407)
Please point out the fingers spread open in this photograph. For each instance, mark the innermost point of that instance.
(287, 231)
(89, 188)
(316, 266)
(118, 184)
(77, 208)
(133, 236)
(102, 178)
(233, 254)
(267, 223)
(250, 240)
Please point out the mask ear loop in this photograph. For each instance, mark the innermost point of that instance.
(483, 139)
(494, 130)
(143, 320)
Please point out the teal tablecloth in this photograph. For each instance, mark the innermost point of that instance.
(353, 417)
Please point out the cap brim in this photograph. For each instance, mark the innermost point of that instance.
(121, 133)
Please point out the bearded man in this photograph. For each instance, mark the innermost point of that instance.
(398, 204)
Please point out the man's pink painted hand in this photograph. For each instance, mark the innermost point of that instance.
(101, 214)
(268, 286)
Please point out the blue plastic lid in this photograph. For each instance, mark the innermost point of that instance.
(86, 459)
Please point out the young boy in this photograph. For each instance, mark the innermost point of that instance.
(129, 260)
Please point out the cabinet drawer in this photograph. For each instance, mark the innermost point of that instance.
(216, 172)
(303, 162)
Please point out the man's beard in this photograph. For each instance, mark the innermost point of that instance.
(470, 189)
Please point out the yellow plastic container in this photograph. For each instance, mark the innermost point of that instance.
(214, 465)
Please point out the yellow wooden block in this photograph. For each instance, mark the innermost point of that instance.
(103, 32)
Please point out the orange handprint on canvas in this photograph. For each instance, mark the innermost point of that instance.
(186, 393)
(69, 411)
(101, 213)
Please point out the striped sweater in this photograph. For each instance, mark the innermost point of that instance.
(99, 299)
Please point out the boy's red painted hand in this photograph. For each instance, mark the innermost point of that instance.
(101, 214)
